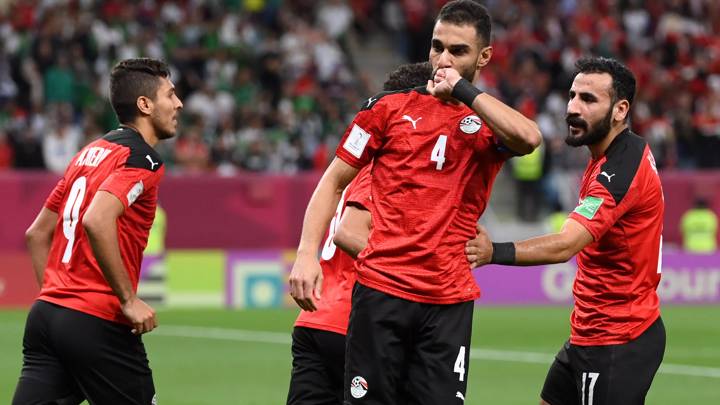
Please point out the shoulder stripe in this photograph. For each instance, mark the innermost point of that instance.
(142, 155)
(623, 159)
(370, 102)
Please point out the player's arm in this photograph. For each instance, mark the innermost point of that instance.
(100, 224)
(516, 131)
(306, 275)
(352, 234)
(547, 249)
(38, 239)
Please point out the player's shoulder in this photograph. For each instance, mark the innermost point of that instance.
(141, 155)
(393, 98)
(622, 162)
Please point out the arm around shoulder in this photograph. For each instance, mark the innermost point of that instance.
(352, 234)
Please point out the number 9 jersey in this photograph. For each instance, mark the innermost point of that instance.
(120, 163)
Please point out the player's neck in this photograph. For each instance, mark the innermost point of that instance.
(145, 129)
(598, 150)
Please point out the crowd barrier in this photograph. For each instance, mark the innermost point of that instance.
(258, 279)
(251, 211)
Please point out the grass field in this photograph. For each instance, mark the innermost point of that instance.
(243, 357)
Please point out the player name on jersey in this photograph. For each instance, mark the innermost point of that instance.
(92, 156)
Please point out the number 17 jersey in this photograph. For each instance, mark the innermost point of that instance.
(120, 163)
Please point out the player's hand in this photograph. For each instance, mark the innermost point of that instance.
(479, 250)
(306, 281)
(140, 314)
(443, 83)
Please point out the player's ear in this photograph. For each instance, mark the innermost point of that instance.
(621, 109)
(485, 56)
(144, 105)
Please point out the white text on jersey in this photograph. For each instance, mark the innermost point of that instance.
(92, 156)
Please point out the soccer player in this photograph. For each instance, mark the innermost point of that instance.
(617, 337)
(82, 336)
(318, 345)
(435, 153)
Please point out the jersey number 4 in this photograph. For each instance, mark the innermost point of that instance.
(71, 214)
(438, 152)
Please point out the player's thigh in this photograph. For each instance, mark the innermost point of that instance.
(635, 366)
(318, 366)
(439, 361)
(560, 387)
(376, 346)
(613, 374)
(43, 378)
(107, 361)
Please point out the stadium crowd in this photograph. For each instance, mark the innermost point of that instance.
(269, 85)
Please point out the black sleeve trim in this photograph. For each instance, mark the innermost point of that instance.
(624, 156)
(142, 155)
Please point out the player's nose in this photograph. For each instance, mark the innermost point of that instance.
(445, 60)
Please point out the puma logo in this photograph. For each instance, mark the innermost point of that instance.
(412, 121)
(370, 101)
(152, 164)
(609, 176)
(460, 395)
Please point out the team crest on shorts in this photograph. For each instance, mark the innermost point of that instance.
(358, 387)
(470, 124)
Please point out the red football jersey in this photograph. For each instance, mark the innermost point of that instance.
(622, 206)
(434, 166)
(333, 309)
(120, 163)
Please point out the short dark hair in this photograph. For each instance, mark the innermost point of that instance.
(133, 78)
(408, 76)
(623, 79)
(468, 12)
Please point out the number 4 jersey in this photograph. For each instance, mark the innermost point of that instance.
(120, 163)
(434, 164)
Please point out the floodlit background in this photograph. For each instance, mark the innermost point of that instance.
(268, 88)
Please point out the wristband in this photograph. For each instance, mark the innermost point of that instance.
(503, 253)
(465, 92)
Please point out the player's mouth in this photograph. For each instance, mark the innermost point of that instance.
(576, 125)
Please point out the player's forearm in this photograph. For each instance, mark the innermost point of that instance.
(547, 249)
(319, 211)
(39, 247)
(516, 131)
(105, 246)
(351, 244)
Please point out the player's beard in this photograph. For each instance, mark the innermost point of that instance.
(593, 134)
(163, 130)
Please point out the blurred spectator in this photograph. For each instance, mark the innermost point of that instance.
(699, 226)
(63, 140)
(289, 63)
(6, 151)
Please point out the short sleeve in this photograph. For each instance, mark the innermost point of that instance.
(365, 134)
(489, 143)
(129, 183)
(55, 198)
(359, 195)
(598, 211)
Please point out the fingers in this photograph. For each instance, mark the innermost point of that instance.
(301, 291)
(430, 87)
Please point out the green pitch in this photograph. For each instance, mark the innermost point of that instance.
(243, 357)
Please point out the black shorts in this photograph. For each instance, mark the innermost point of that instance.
(606, 375)
(70, 356)
(318, 366)
(404, 352)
